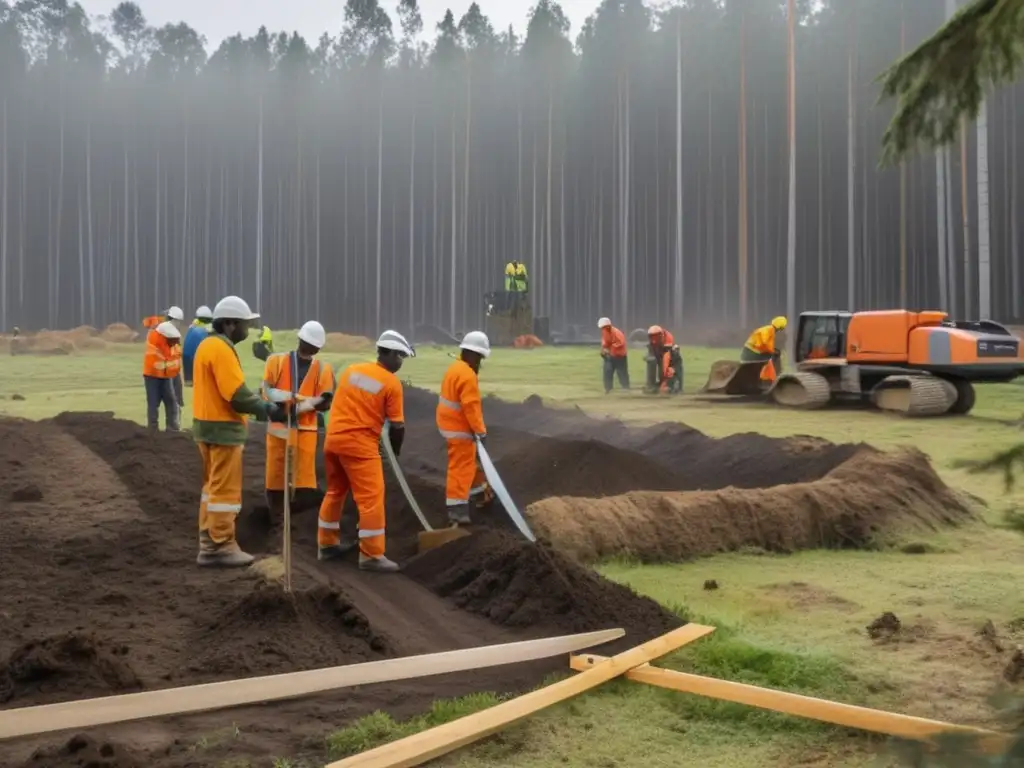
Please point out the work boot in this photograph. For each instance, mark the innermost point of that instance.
(336, 552)
(377, 564)
(226, 555)
(459, 515)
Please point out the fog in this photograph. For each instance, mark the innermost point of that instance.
(382, 174)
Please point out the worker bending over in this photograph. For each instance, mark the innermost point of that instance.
(199, 330)
(222, 401)
(367, 396)
(460, 419)
(161, 366)
(664, 362)
(763, 346)
(287, 378)
(263, 347)
(613, 351)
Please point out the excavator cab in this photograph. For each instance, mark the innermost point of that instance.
(822, 335)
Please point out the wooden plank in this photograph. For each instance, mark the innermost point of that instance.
(233, 693)
(427, 745)
(863, 718)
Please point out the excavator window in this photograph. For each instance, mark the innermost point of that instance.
(822, 335)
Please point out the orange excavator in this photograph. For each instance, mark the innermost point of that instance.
(913, 363)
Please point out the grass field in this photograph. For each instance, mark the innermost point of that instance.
(795, 622)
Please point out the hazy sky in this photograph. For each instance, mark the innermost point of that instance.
(217, 19)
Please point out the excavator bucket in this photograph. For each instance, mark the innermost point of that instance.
(730, 377)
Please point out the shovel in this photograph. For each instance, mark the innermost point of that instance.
(501, 492)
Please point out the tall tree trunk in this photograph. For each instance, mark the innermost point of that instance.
(791, 242)
(1015, 202)
(380, 204)
(4, 229)
(984, 233)
(851, 170)
(903, 183)
(454, 256)
(677, 298)
(743, 174)
(259, 213)
(88, 214)
(546, 287)
(965, 217)
(412, 222)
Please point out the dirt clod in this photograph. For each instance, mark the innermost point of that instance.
(83, 751)
(990, 635)
(26, 493)
(710, 584)
(1014, 670)
(884, 627)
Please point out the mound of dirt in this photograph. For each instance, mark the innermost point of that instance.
(545, 467)
(257, 635)
(518, 584)
(342, 342)
(83, 751)
(119, 333)
(856, 505)
(66, 667)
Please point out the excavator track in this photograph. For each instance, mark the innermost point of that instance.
(914, 396)
(803, 390)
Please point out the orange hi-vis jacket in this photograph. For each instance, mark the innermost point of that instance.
(162, 359)
(367, 395)
(762, 340)
(460, 413)
(613, 341)
(278, 385)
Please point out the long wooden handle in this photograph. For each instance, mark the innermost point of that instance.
(863, 718)
(427, 745)
(233, 693)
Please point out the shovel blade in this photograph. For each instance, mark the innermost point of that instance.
(428, 540)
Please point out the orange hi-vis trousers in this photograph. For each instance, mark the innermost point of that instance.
(221, 500)
(465, 478)
(364, 477)
(303, 468)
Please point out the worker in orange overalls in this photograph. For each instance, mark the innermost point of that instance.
(367, 396)
(287, 378)
(613, 351)
(763, 346)
(221, 403)
(161, 365)
(460, 419)
(664, 362)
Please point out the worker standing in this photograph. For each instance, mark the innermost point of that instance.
(664, 362)
(460, 419)
(367, 396)
(517, 283)
(614, 352)
(160, 368)
(222, 401)
(763, 346)
(287, 378)
(199, 330)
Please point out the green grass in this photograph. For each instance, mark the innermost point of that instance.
(791, 622)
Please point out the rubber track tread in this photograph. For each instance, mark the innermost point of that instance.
(929, 396)
(817, 392)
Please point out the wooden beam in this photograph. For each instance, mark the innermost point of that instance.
(233, 693)
(427, 745)
(874, 720)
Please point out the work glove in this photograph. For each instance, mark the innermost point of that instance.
(396, 434)
(325, 401)
(604, 353)
(277, 413)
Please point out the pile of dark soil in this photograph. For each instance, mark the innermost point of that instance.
(269, 631)
(83, 751)
(68, 666)
(514, 583)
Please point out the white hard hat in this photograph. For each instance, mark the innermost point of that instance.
(396, 341)
(175, 313)
(476, 341)
(204, 313)
(168, 330)
(233, 308)
(604, 322)
(313, 333)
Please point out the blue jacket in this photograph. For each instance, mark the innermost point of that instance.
(188, 348)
